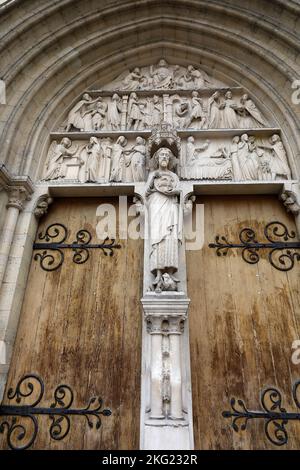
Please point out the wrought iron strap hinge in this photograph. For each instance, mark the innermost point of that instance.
(22, 432)
(275, 417)
(51, 255)
(282, 254)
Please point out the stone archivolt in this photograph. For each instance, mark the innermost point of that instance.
(223, 134)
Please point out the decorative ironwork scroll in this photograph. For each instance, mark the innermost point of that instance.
(275, 417)
(51, 255)
(282, 254)
(22, 429)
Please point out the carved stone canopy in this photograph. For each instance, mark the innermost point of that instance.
(163, 136)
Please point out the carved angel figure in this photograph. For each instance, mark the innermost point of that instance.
(80, 115)
(165, 224)
(54, 164)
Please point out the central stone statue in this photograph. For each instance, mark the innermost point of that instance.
(165, 220)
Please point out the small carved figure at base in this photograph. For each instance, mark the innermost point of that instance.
(165, 282)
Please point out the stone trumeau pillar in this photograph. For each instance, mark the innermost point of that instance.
(166, 405)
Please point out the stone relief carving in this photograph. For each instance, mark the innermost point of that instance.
(245, 158)
(160, 96)
(121, 159)
(55, 167)
(118, 159)
(144, 110)
(80, 116)
(202, 165)
(165, 76)
(165, 224)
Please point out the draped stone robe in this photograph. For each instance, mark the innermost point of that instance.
(165, 223)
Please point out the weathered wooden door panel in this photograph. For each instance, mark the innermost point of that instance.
(243, 320)
(81, 326)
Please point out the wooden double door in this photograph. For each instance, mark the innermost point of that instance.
(81, 325)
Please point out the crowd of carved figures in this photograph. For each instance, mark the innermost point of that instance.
(246, 158)
(219, 111)
(146, 98)
(99, 160)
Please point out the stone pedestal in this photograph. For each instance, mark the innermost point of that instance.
(166, 393)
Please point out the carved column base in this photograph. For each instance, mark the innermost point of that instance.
(166, 411)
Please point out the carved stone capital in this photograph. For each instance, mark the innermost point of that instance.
(19, 188)
(17, 195)
(154, 325)
(290, 197)
(176, 325)
(42, 205)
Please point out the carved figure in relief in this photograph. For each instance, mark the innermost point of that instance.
(146, 110)
(99, 115)
(250, 115)
(157, 111)
(114, 113)
(248, 158)
(105, 161)
(279, 167)
(80, 115)
(192, 152)
(138, 159)
(215, 111)
(57, 153)
(135, 116)
(133, 80)
(181, 112)
(162, 76)
(230, 117)
(195, 113)
(167, 283)
(165, 224)
(233, 154)
(117, 159)
(199, 166)
(93, 153)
